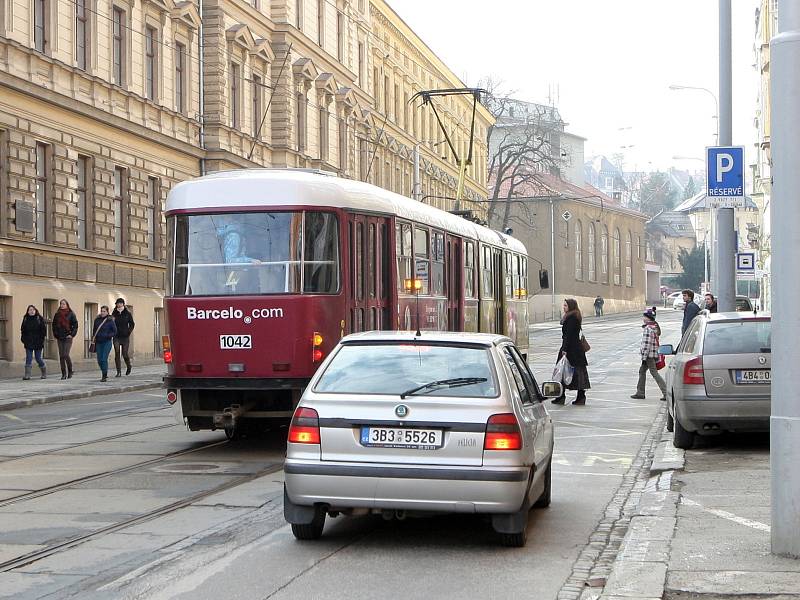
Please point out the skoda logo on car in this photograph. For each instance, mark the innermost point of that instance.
(762, 360)
(401, 410)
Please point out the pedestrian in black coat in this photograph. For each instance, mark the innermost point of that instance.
(65, 329)
(690, 309)
(33, 333)
(123, 319)
(571, 325)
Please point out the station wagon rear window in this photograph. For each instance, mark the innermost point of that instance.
(738, 337)
(255, 253)
(396, 368)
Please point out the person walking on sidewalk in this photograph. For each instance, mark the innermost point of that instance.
(690, 309)
(573, 348)
(65, 328)
(123, 319)
(648, 350)
(103, 334)
(34, 331)
(598, 306)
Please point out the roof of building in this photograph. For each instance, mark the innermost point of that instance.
(672, 224)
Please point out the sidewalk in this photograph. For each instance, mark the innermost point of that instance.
(701, 529)
(15, 393)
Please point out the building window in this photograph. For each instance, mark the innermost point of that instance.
(153, 217)
(301, 108)
(180, 77)
(40, 40)
(323, 132)
(361, 63)
(376, 90)
(5, 327)
(118, 43)
(604, 255)
(386, 93)
(343, 135)
(578, 251)
(81, 35)
(90, 311)
(397, 105)
(617, 257)
(340, 33)
(151, 63)
(298, 14)
(591, 245)
(628, 261)
(42, 221)
(256, 99)
(638, 247)
(234, 95)
(121, 191)
(158, 331)
(321, 22)
(85, 181)
(49, 309)
(609, 183)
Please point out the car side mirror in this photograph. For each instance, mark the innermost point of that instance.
(552, 389)
(666, 349)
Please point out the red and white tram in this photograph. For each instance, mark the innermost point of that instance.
(268, 269)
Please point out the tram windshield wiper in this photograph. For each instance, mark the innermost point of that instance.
(455, 382)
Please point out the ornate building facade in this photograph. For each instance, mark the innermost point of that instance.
(106, 104)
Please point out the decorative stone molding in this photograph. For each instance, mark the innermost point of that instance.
(304, 69)
(186, 13)
(240, 34)
(263, 50)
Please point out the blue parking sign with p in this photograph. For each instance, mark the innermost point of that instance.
(725, 171)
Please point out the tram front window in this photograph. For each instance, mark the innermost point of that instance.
(256, 253)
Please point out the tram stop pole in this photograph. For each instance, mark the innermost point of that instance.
(785, 220)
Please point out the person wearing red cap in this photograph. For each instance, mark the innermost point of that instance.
(649, 353)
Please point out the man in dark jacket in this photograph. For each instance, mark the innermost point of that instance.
(123, 319)
(690, 309)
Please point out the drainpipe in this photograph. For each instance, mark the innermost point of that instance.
(202, 93)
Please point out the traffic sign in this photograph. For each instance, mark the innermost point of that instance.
(725, 176)
(746, 261)
(566, 215)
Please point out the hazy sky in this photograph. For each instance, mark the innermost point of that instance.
(608, 65)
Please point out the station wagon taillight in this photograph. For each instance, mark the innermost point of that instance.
(305, 426)
(693, 372)
(502, 433)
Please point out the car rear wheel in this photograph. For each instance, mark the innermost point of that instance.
(544, 500)
(313, 530)
(514, 540)
(681, 438)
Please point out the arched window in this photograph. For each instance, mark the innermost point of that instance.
(604, 255)
(578, 251)
(591, 245)
(628, 261)
(617, 257)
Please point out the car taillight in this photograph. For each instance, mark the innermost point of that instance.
(305, 427)
(502, 433)
(316, 350)
(166, 349)
(693, 372)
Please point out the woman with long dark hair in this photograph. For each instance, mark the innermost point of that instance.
(65, 328)
(571, 345)
(34, 331)
(103, 333)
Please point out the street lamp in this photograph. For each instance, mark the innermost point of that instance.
(713, 95)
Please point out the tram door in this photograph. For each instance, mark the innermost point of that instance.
(369, 284)
(455, 288)
(499, 291)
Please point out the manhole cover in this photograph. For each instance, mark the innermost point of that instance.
(189, 468)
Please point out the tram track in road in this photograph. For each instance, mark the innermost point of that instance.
(32, 557)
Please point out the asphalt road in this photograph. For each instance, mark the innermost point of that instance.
(109, 498)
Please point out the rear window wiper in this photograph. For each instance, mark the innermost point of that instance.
(455, 382)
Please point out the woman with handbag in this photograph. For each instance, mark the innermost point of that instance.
(65, 329)
(650, 356)
(574, 346)
(34, 332)
(102, 339)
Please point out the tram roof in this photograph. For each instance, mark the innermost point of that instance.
(260, 188)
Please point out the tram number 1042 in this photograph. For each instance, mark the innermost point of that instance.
(235, 342)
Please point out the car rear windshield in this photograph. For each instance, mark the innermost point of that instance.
(738, 337)
(396, 368)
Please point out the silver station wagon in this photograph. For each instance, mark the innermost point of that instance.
(719, 379)
(404, 425)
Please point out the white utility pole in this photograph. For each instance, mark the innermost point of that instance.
(725, 256)
(552, 261)
(416, 187)
(785, 216)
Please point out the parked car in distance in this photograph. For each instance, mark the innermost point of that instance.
(744, 304)
(719, 378)
(404, 425)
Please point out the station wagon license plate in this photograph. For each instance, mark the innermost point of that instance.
(235, 342)
(750, 376)
(395, 437)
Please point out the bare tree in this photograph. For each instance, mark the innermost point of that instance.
(524, 145)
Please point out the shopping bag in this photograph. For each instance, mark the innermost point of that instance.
(563, 371)
(661, 361)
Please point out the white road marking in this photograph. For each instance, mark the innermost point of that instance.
(724, 514)
(557, 472)
(594, 452)
(596, 435)
(590, 461)
(573, 423)
(13, 417)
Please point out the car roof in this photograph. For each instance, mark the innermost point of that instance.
(738, 316)
(451, 337)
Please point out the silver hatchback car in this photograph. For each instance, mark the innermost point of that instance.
(398, 424)
(719, 379)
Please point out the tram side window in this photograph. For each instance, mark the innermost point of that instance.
(515, 259)
(508, 276)
(403, 251)
(469, 270)
(437, 264)
(422, 263)
(487, 277)
(371, 255)
(321, 256)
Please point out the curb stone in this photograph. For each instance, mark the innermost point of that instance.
(593, 567)
(50, 398)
